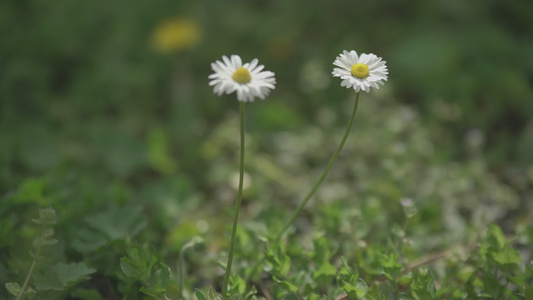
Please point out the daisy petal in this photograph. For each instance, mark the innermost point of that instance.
(377, 71)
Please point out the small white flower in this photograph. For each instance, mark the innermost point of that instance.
(248, 80)
(360, 72)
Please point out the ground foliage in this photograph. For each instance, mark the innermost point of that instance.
(119, 165)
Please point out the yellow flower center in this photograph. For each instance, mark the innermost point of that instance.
(358, 70)
(242, 75)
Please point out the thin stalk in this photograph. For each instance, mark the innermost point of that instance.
(236, 213)
(181, 272)
(324, 173)
(28, 276)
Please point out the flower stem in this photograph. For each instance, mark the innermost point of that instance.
(324, 173)
(236, 213)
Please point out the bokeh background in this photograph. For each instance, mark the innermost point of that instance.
(106, 104)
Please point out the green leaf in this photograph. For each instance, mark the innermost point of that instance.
(88, 240)
(380, 291)
(491, 285)
(31, 191)
(117, 222)
(389, 263)
(495, 237)
(63, 276)
(71, 274)
(357, 291)
(286, 285)
(508, 258)
(405, 280)
(199, 295)
(130, 268)
(46, 282)
(139, 263)
(213, 295)
(422, 287)
(153, 291)
(161, 277)
(13, 288)
(325, 274)
(362, 288)
(237, 285)
(346, 273)
(280, 262)
(321, 252)
(519, 281)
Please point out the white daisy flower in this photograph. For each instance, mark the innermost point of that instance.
(360, 72)
(248, 80)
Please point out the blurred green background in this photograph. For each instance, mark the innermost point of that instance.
(81, 82)
(107, 103)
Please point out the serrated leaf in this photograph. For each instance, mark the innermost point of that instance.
(117, 223)
(130, 268)
(423, 286)
(88, 240)
(13, 288)
(139, 263)
(46, 282)
(71, 274)
(389, 263)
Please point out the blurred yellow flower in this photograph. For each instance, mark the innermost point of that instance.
(174, 35)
